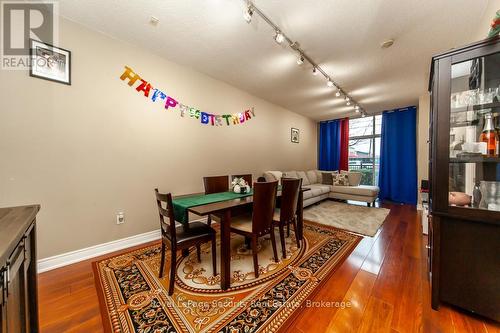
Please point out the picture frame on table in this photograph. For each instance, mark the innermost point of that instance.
(49, 62)
(294, 135)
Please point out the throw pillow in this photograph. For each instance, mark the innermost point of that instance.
(326, 178)
(354, 178)
(340, 179)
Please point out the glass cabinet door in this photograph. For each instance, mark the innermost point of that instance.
(474, 167)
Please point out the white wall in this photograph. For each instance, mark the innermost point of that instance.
(87, 150)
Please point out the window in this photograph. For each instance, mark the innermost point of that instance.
(364, 147)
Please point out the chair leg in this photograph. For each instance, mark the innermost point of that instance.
(198, 252)
(172, 271)
(273, 243)
(368, 204)
(288, 229)
(282, 239)
(296, 233)
(162, 260)
(214, 255)
(254, 254)
(209, 220)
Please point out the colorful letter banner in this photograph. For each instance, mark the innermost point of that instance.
(205, 118)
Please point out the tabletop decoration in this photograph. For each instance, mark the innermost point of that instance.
(240, 185)
(170, 102)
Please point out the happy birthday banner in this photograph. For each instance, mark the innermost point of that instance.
(169, 102)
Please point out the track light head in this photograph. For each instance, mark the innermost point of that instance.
(329, 83)
(363, 115)
(279, 37)
(315, 71)
(248, 14)
(338, 93)
(348, 103)
(300, 60)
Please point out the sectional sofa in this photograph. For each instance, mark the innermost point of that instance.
(322, 186)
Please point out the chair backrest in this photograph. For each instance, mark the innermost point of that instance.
(166, 212)
(264, 202)
(261, 179)
(247, 178)
(216, 184)
(290, 188)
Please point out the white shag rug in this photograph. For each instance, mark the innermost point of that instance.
(361, 220)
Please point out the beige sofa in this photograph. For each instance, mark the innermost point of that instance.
(313, 179)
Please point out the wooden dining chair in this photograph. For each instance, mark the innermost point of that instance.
(215, 184)
(259, 222)
(247, 178)
(287, 213)
(180, 238)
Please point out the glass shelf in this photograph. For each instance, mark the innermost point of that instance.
(477, 107)
(475, 159)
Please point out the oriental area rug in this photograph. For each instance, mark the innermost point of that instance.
(134, 299)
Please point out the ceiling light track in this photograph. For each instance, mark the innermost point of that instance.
(281, 37)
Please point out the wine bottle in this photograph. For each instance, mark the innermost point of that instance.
(490, 136)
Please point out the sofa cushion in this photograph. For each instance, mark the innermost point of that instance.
(272, 176)
(364, 190)
(319, 176)
(305, 180)
(312, 176)
(319, 189)
(290, 174)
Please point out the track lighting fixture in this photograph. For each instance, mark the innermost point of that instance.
(248, 14)
(363, 115)
(279, 37)
(300, 60)
(348, 103)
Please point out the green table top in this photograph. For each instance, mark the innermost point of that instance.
(182, 204)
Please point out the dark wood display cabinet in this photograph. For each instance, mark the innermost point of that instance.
(464, 169)
(18, 272)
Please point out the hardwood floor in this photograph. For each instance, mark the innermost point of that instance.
(384, 280)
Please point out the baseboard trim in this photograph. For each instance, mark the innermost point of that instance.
(72, 257)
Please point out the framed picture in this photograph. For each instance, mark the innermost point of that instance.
(49, 62)
(295, 135)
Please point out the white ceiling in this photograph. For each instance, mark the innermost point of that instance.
(342, 36)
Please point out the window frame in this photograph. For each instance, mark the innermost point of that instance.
(371, 136)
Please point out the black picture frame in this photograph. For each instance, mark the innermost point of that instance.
(35, 67)
(295, 135)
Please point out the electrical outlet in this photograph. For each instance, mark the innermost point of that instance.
(120, 218)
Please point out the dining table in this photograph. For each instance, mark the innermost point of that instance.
(224, 209)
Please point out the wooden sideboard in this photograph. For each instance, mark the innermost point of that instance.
(18, 271)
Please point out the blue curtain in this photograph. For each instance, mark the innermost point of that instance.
(329, 145)
(398, 156)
